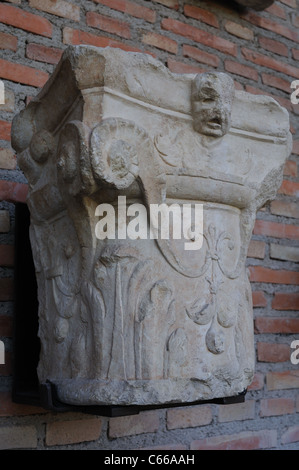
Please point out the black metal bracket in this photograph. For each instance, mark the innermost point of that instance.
(26, 345)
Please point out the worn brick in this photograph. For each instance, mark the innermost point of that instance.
(7, 255)
(131, 8)
(201, 15)
(12, 191)
(276, 10)
(6, 327)
(5, 128)
(147, 421)
(266, 61)
(27, 21)
(286, 209)
(277, 406)
(275, 276)
(273, 45)
(110, 25)
(247, 440)
(73, 431)
(8, 41)
(75, 37)
(9, 408)
(272, 352)
(22, 74)
(259, 299)
(18, 437)
(257, 382)
(169, 3)
(270, 25)
(276, 325)
(284, 253)
(289, 188)
(8, 159)
(50, 55)
(282, 380)
(9, 101)
(290, 3)
(4, 221)
(57, 7)
(237, 411)
(256, 249)
(176, 66)
(239, 30)
(276, 230)
(295, 53)
(291, 435)
(160, 41)
(190, 417)
(198, 35)
(6, 289)
(295, 147)
(285, 301)
(276, 82)
(290, 168)
(200, 56)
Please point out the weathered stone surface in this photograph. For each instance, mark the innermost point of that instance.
(145, 321)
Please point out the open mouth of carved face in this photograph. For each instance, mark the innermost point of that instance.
(215, 123)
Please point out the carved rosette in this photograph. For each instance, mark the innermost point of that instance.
(125, 321)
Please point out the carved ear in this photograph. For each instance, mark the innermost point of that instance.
(73, 166)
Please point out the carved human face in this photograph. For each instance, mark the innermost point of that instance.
(212, 97)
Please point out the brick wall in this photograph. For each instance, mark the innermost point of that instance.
(261, 52)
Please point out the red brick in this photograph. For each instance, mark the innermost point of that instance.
(266, 61)
(7, 255)
(6, 289)
(8, 41)
(13, 192)
(200, 56)
(75, 37)
(275, 276)
(291, 435)
(236, 412)
(238, 30)
(289, 188)
(276, 10)
(161, 42)
(73, 431)
(190, 417)
(271, 25)
(257, 382)
(290, 168)
(256, 249)
(259, 299)
(272, 352)
(277, 406)
(169, 3)
(276, 82)
(22, 74)
(131, 8)
(144, 422)
(110, 25)
(286, 209)
(274, 46)
(24, 20)
(6, 325)
(283, 380)
(198, 35)
(276, 325)
(180, 67)
(295, 53)
(240, 69)
(5, 128)
(295, 147)
(274, 229)
(59, 8)
(283, 301)
(9, 408)
(50, 55)
(247, 440)
(202, 15)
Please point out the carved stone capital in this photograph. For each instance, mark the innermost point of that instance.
(142, 320)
